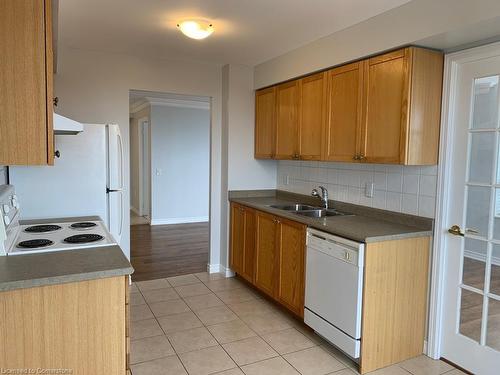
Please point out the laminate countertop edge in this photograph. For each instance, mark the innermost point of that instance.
(61, 267)
(358, 228)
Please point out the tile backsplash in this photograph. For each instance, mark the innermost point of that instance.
(406, 189)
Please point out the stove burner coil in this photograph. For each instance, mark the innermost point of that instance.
(83, 225)
(83, 238)
(42, 228)
(32, 244)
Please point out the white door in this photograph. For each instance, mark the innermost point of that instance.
(146, 170)
(471, 310)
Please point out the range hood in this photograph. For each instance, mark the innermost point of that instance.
(66, 126)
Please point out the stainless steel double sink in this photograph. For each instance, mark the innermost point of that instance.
(309, 211)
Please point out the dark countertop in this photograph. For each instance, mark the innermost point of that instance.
(366, 225)
(58, 267)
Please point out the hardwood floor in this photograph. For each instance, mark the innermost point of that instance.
(168, 250)
(472, 303)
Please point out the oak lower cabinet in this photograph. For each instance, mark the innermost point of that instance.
(26, 81)
(80, 326)
(275, 247)
(291, 272)
(242, 255)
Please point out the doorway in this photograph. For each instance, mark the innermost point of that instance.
(170, 179)
(467, 250)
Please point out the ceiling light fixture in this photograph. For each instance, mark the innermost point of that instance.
(196, 29)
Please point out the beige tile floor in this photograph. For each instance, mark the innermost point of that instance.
(206, 324)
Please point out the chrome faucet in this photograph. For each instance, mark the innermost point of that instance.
(323, 196)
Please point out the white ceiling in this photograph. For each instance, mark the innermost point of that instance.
(246, 31)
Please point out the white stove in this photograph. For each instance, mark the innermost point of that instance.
(45, 236)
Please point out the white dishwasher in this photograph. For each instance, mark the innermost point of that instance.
(334, 289)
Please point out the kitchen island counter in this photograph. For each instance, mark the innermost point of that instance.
(58, 267)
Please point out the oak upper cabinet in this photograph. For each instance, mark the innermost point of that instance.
(402, 107)
(344, 113)
(26, 79)
(287, 120)
(291, 249)
(266, 254)
(242, 256)
(265, 123)
(312, 116)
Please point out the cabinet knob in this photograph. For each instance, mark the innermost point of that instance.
(296, 156)
(55, 101)
(362, 157)
(355, 157)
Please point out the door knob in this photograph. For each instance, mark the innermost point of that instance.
(456, 231)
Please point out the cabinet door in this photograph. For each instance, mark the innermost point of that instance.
(312, 116)
(266, 255)
(237, 237)
(265, 123)
(291, 249)
(248, 271)
(26, 76)
(386, 88)
(287, 105)
(343, 129)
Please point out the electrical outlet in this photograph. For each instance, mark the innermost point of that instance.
(369, 189)
(286, 180)
(158, 171)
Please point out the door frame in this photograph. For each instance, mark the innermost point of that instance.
(142, 164)
(438, 271)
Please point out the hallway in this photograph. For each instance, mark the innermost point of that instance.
(161, 251)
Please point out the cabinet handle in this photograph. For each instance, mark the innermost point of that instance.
(362, 157)
(296, 156)
(55, 101)
(355, 157)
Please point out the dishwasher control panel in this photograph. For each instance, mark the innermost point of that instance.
(340, 248)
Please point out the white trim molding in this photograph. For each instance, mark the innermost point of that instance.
(135, 210)
(438, 270)
(170, 102)
(180, 220)
(219, 268)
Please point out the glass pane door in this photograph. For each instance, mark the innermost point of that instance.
(479, 317)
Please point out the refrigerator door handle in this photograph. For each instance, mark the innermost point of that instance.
(115, 158)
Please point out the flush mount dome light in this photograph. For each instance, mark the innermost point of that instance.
(196, 29)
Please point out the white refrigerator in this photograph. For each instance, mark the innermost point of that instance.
(86, 180)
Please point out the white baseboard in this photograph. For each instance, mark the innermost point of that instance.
(180, 220)
(425, 348)
(135, 211)
(219, 268)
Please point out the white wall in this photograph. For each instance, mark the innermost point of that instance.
(135, 157)
(94, 87)
(3, 175)
(410, 23)
(180, 150)
(406, 189)
(244, 171)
